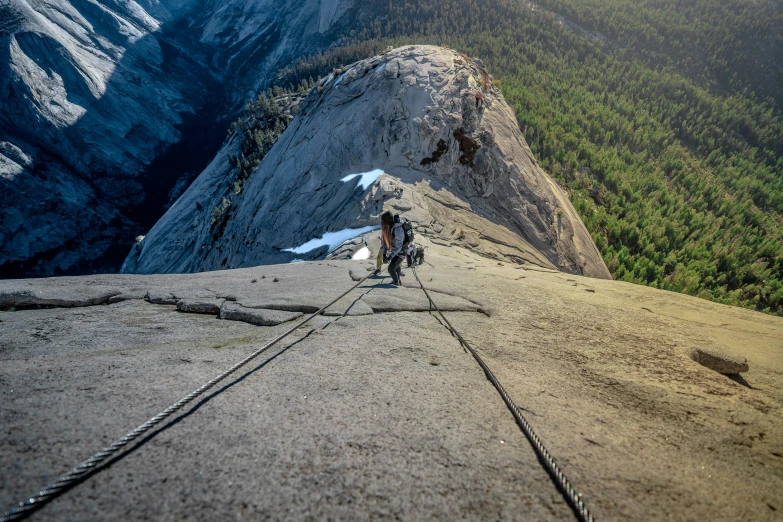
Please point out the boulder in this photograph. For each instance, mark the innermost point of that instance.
(719, 361)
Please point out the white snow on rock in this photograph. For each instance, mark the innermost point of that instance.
(332, 239)
(362, 253)
(366, 178)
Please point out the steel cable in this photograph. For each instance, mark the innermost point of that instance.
(573, 497)
(83, 470)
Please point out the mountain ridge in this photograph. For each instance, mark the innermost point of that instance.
(426, 117)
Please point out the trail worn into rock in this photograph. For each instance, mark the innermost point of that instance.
(379, 413)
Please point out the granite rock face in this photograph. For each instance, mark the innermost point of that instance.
(85, 105)
(419, 131)
(384, 407)
(93, 91)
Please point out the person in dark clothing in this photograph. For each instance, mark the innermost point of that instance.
(392, 239)
(410, 253)
(414, 254)
(417, 257)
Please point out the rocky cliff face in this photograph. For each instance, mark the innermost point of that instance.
(421, 131)
(92, 92)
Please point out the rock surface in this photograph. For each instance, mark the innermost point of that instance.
(449, 154)
(720, 361)
(384, 415)
(86, 103)
(200, 306)
(257, 316)
(92, 92)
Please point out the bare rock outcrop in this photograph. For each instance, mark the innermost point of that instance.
(420, 130)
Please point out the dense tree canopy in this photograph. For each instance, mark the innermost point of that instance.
(648, 112)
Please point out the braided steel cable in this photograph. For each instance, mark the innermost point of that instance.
(571, 495)
(85, 469)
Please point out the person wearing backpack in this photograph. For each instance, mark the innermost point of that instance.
(396, 233)
(414, 254)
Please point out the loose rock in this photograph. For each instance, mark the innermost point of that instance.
(720, 362)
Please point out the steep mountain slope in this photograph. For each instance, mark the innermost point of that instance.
(252, 40)
(430, 136)
(92, 94)
(663, 125)
(85, 105)
(374, 411)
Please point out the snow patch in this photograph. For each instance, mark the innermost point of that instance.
(365, 178)
(296, 261)
(362, 253)
(332, 239)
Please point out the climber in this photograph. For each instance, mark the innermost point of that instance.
(414, 254)
(419, 257)
(393, 237)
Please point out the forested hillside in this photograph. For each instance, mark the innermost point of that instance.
(662, 119)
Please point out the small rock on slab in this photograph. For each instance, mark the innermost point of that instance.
(257, 316)
(720, 362)
(200, 306)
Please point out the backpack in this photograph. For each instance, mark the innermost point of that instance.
(407, 227)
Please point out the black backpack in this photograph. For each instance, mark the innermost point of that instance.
(407, 227)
